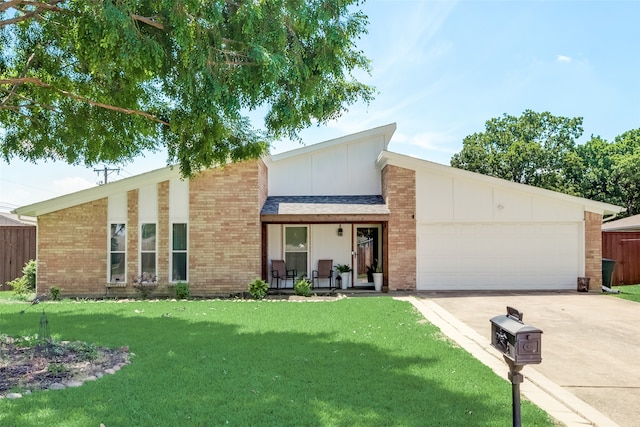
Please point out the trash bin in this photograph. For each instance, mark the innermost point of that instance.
(583, 284)
(607, 271)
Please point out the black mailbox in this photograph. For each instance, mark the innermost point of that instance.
(520, 343)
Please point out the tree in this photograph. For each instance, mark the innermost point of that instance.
(90, 81)
(533, 149)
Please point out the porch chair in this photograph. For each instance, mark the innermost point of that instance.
(279, 272)
(324, 271)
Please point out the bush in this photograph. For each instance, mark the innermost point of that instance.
(27, 283)
(303, 287)
(182, 290)
(258, 289)
(54, 291)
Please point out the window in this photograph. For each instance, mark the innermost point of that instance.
(148, 253)
(179, 253)
(296, 249)
(117, 253)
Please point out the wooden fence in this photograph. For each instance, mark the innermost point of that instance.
(624, 248)
(17, 247)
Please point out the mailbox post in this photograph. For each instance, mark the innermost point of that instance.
(520, 344)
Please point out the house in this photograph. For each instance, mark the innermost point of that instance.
(350, 199)
(621, 243)
(17, 247)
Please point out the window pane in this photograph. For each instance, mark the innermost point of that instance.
(117, 267)
(179, 267)
(297, 261)
(296, 239)
(148, 264)
(179, 237)
(148, 237)
(118, 238)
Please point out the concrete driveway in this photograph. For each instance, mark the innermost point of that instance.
(590, 346)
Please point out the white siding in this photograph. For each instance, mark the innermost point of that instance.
(344, 169)
(178, 201)
(148, 204)
(117, 211)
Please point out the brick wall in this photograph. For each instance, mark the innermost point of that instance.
(399, 192)
(132, 235)
(225, 228)
(163, 232)
(72, 250)
(593, 249)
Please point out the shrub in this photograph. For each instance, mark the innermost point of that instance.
(182, 290)
(258, 289)
(54, 291)
(303, 287)
(27, 283)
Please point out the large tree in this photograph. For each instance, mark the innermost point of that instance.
(534, 149)
(91, 81)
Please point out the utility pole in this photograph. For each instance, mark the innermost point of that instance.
(106, 171)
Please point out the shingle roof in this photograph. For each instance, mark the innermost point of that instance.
(329, 205)
(631, 223)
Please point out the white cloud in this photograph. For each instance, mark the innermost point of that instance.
(563, 58)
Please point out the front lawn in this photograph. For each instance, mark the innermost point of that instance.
(353, 362)
(629, 292)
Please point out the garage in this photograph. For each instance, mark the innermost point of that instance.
(481, 233)
(499, 256)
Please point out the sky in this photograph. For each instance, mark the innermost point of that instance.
(442, 69)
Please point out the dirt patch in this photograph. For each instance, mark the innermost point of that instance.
(26, 365)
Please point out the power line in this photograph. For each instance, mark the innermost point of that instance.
(106, 171)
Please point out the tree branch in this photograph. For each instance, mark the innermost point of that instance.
(35, 6)
(37, 82)
(148, 21)
(15, 86)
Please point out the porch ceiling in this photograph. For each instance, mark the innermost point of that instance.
(324, 209)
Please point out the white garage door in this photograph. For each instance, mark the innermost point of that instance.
(499, 256)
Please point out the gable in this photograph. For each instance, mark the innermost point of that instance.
(344, 166)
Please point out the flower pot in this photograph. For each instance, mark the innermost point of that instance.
(345, 280)
(377, 281)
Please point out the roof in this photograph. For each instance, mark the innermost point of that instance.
(388, 157)
(630, 223)
(11, 220)
(96, 193)
(325, 205)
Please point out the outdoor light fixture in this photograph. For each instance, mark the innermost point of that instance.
(340, 230)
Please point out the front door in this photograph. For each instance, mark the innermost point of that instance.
(368, 253)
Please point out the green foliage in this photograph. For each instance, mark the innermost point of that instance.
(91, 82)
(302, 287)
(531, 149)
(57, 368)
(540, 149)
(85, 351)
(258, 289)
(27, 283)
(343, 268)
(182, 290)
(54, 292)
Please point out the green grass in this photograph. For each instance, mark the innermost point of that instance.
(629, 292)
(9, 296)
(352, 362)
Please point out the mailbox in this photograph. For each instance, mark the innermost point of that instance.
(519, 342)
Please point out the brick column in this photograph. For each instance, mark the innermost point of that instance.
(593, 249)
(163, 232)
(399, 192)
(132, 235)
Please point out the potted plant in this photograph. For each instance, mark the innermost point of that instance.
(342, 269)
(377, 279)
